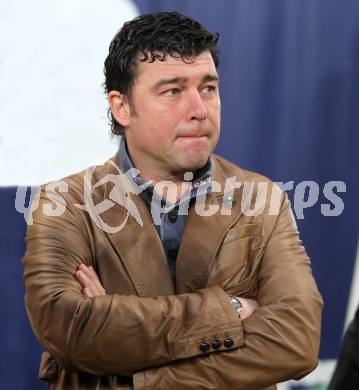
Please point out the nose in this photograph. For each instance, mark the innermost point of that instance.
(196, 107)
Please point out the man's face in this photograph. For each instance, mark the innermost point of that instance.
(174, 117)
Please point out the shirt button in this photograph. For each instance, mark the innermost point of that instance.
(172, 216)
(216, 344)
(172, 253)
(204, 346)
(228, 343)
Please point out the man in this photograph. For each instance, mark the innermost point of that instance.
(159, 272)
(346, 374)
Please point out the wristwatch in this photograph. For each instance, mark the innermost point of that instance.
(236, 303)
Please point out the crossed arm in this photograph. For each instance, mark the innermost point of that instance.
(92, 287)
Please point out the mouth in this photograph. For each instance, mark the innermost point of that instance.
(193, 136)
(194, 140)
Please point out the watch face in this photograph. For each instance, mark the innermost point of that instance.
(236, 304)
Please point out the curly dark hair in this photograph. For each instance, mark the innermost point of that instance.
(153, 37)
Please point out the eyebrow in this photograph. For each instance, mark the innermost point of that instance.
(182, 80)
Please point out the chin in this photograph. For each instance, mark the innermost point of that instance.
(192, 155)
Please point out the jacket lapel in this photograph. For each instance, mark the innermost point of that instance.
(203, 236)
(138, 247)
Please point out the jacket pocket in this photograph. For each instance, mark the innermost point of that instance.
(245, 283)
(243, 231)
(236, 257)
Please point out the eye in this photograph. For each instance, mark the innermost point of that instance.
(210, 89)
(171, 92)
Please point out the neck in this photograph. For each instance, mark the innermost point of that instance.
(170, 185)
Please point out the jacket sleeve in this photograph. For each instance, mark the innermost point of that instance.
(281, 337)
(114, 333)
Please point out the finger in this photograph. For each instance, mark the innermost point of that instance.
(80, 278)
(86, 282)
(96, 279)
(84, 268)
(87, 293)
(89, 275)
(92, 275)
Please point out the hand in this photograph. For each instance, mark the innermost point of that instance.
(91, 285)
(249, 305)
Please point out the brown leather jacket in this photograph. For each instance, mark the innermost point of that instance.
(148, 331)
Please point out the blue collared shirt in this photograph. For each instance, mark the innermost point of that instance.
(168, 219)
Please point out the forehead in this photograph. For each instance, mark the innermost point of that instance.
(198, 66)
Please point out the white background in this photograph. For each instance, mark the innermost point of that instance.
(52, 107)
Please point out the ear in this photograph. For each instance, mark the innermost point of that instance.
(119, 107)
